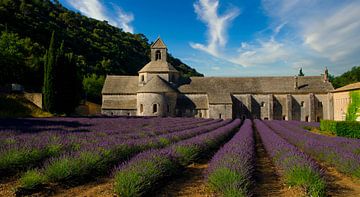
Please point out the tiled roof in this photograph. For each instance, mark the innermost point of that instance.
(353, 86)
(158, 66)
(220, 88)
(120, 84)
(156, 85)
(158, 44)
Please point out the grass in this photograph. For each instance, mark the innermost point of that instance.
(138, 179)
(226, 182)
(15, 105)
(16, 160)
(32, 179)
(307, 179)
(187, 154)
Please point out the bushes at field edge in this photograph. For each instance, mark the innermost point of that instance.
(341, 128)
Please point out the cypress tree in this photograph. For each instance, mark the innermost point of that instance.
(68, 89)
(49, 91)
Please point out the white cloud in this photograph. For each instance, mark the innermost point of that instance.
(263, 52)
(207, 11)
(303, 33)
(95, 9)
(125, 20)
(329, 28)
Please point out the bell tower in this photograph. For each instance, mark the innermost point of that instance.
(158, 51)
(158, 66)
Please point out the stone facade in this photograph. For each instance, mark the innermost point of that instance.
(159, 90)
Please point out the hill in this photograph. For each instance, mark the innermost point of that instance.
(16, 105)
(26, 27)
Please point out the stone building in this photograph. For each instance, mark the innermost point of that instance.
(159, 90)
(342, 100)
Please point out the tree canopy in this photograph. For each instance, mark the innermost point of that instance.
(351, 76)
(99, 48)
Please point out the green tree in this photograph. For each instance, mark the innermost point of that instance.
(49, 77)
(68, 83)
(12, 53)
(92, 87)
(351, 76)
(354, 107)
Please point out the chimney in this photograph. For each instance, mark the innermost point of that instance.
(296, 83)
(326, 75)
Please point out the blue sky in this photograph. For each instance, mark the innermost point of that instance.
(243, 37)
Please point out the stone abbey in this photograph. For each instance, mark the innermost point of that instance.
(160, 90)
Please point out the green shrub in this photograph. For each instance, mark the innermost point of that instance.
(31, 179)
(85, 165)
(354, 106)
(306, 178)
(222, 181)
(187, 154)
(341, 128)
(140, 177)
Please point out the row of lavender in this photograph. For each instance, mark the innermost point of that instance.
(142, 173)
(298, 168)
(24, 150)
(340, 152)
(110, 126)
(97, 158)
(231, 171)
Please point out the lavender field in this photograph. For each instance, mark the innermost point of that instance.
(149, 156)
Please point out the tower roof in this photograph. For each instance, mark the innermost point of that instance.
(158, 66)
(158, 44)
(156, 85)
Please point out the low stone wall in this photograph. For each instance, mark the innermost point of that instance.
(35, 98)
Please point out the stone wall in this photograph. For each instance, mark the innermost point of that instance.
(223, 111)
(118, 112)
(341, 104)
(165, 104)
(300, 107)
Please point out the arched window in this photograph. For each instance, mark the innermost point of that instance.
(302, 104)
(141, 108)
(142, 78)
(155, 108)
(158, 55)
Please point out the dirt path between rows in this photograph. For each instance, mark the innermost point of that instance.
(8, 186)
(268, 182)
(100, 188)
(339, 184)
(190, 183)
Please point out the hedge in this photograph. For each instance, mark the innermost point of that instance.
(341, 128)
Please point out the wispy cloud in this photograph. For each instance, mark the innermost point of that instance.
(329, 29)
(260, 53)
(207, 11)
(317, 33)
(95, 9)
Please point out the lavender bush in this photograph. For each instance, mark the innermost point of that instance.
(341, 152)
(299, 168)
(143, 172)
(231, 169)
(97, 157)
(26, 143)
